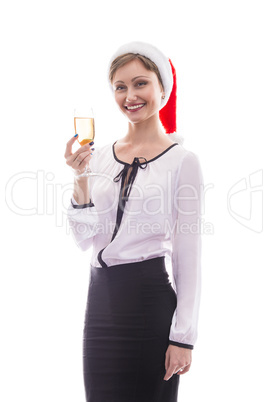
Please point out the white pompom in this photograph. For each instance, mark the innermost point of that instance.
(176, 138)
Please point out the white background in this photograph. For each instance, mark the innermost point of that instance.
(54, 55)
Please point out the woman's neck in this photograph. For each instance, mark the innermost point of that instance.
(144, 132)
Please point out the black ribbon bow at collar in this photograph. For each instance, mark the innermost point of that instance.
(123, 174)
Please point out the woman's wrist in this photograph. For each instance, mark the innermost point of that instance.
(81, 174)
(81, 190)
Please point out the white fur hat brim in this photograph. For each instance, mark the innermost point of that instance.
(176, 138)
(155, 55)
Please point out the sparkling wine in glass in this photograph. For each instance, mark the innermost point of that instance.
(85, 128)
(84, 125)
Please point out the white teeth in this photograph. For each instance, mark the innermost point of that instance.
(134, 107)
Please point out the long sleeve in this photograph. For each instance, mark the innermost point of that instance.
(83, 221)
(186, 252)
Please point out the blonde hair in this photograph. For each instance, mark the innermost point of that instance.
(123, 59)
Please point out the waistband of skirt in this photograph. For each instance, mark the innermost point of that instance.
(152, 265)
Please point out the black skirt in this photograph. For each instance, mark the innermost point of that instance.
(126, 333)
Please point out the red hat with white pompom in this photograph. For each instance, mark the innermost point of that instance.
(167, 72)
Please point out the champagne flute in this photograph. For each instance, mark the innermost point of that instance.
(84, 125)
(85, 128)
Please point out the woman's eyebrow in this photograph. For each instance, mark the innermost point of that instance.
(139, 76)
(133, 79)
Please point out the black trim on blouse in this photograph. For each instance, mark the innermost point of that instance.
(181, 345)
(90, 204)
(127, 176)
(150, 160)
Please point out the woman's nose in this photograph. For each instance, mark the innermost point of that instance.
(131, 95)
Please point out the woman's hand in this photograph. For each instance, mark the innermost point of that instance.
(78, 160)
(178, 361)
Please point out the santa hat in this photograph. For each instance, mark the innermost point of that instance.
(167, 72)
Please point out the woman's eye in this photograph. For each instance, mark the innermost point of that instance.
(141, 84)
(119, 88)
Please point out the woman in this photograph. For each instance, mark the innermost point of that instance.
(141, 203)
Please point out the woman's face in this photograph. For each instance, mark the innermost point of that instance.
(137, 91)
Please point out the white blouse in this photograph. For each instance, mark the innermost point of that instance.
(161, 204)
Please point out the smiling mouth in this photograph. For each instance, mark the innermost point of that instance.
(135, 107)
